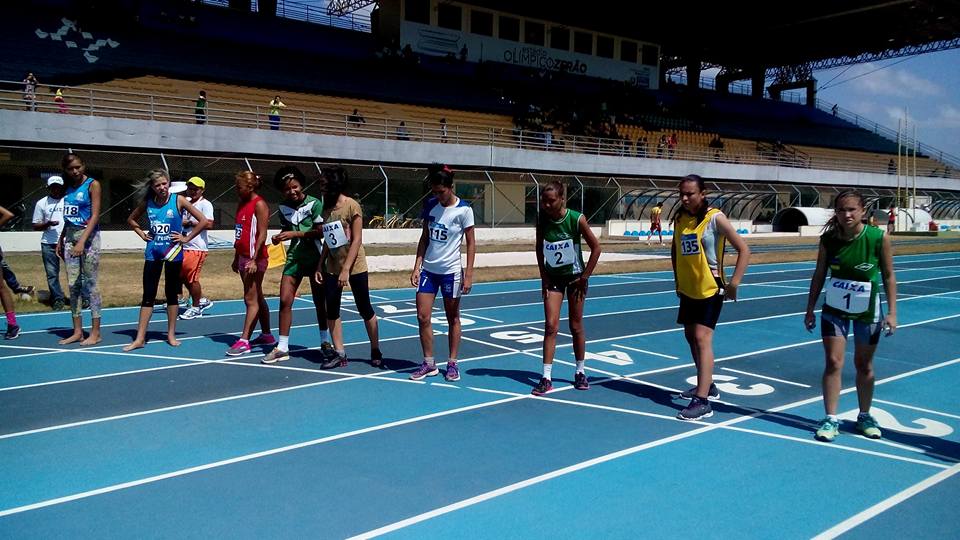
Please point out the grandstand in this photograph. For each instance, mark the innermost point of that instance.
(598, 111)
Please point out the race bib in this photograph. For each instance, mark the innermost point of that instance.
(557, 254)
(334, 234)
(71, 210)
(689, 245)
(237, 231)
(160, 231)
(438, 233)
(849, 296)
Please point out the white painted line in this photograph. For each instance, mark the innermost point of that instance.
(475, 316)
(765, 377)
(445, 385)
(540, 329)
(886, 504)
(918, 409)
(248, 457)
(644, 351)
(616, 455)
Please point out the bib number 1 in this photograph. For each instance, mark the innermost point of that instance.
(849, 296)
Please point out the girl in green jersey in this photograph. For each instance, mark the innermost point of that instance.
(559, 231)
(857, 256)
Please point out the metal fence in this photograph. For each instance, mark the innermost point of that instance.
(301, 11)
(139, 106)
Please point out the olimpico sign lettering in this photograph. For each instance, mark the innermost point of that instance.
(539, 58)
(426, 39)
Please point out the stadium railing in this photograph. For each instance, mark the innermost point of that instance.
(304, 12)
(140, 106)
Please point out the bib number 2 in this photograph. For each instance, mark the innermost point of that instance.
(557, 254)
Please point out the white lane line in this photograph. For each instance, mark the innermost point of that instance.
(616, 455)
(248, 457)
(644, 351)
(886, 504)
(765, 377)
(918, 409)
(475, 316)
(540, 329)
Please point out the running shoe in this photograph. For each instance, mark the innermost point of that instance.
(376, 359)
(29, 289)
(713, 395)
(85, 304)
(868, 426)
(191, 313)
(339, 360)
(184, 302)
(327, 352)
(425, 370)
(274, 356)
(205, 303)
(264, 339)
(545, 385)
(57, 305)
(241, 346)
(453, 372)
(697, 409)
(580, 381)
(13, 332)
(828, 430)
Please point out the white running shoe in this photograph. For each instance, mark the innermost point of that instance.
(191, 313)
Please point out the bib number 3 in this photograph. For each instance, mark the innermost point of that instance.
(335, 235)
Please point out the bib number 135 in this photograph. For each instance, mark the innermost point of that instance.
(689, 245)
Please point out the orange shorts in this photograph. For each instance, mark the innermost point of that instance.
(192, 263)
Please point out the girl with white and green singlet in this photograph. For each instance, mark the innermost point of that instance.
(560, 260)
(858, 255)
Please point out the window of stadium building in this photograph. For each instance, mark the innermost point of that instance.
(651, 55)
(583, 42)
(628, 51)
(481, 22)
(533, 33)
(509, 28)
(449, 16)
(605, 46)
(560, 38)
(417, 11)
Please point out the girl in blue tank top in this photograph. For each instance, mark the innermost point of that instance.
(79, 245)
(164, 250)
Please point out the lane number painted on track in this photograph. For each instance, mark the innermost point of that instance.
(617, 358)
(724, 384)
(928, 427)
(520, 336)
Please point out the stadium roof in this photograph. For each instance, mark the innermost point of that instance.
(752, 33)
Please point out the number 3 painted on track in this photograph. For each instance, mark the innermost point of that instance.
(759, 389)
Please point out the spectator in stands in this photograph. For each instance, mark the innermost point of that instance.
(6, 298)
(30, 84)
(891, 167)
(61, 103)
(661, 145)
(275, 105)
(672, 144)
(48, 217)
(892, 219)
(200, 109)
(717, 146)
(402, 133)
(443, 130)
(356, 118)
(642, 146)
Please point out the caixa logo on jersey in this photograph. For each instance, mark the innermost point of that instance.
(557, 246)
(849, 286)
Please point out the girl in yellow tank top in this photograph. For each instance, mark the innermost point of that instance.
(700, 234)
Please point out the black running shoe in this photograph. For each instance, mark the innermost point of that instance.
(13, 332)
(545, 385)
(376, 359)
(340, 360)
(697, 409)
(580, 381)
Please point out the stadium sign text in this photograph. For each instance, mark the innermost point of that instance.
(536, 57)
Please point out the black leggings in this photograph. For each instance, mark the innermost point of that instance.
(151, 280)
(361, 295)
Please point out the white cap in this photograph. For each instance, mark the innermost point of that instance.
(178, 187)
(54, 180)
